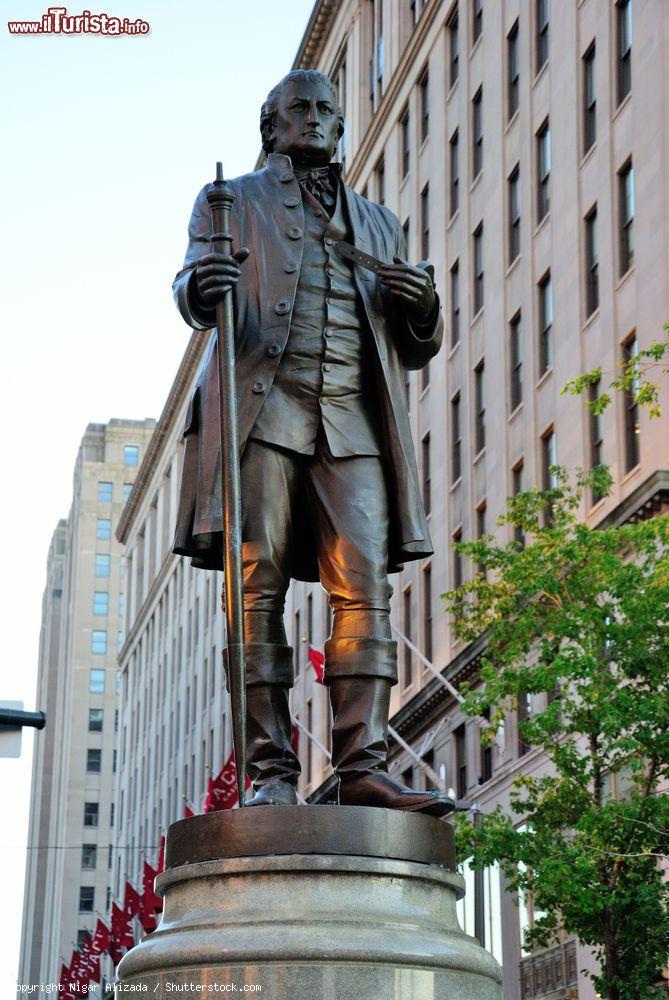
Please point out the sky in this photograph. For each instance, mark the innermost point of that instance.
(106, 141)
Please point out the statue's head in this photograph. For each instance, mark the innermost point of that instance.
(302, 118)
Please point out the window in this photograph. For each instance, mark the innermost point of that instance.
(456, 440)
(425, 468)
(405, 125)
(93, 761)
(518, 476)
(458, 574)
(310, 726)
(624, 40)
(543, 171)
(486, 753)
(83, 937)
(127, 490)
(89, 855)
(524, 711)
(91, 813)
(425, 222)
(424, 87)
(454, 173)
(97, 682)
(548, 460)
(480, 531)
(477, 133)
(380, 174)
(407, 777)
(105, 492)
(477, 20)
(630, 353)
(596, 435)
(95, 720)
(102, 563)
(515, 362)
(100, 602)
(453, 48)
(131, 454)
(479, 407)
(407, 657)
(460, 736)
(103, 529)
(427, 612)
(86, 898)
(455, 303)
(589, 100)
(545, 323)
(542, 9)
(478, 268)
(626, 217)
(513, 72)
(99, 641)
(591, 263)
(514, 214)
(406, 229)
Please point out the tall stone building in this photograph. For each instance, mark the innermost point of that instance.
(525, 152)
(72, 805)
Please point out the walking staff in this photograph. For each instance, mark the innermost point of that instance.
(220, 199)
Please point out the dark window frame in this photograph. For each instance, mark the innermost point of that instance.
(513, 70)
(477, 133)
(591, 262)
(514, 214)
(589, 123)
(543, 140)
(515, 361)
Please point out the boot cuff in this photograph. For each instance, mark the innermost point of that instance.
(266, 663)
(360, 658)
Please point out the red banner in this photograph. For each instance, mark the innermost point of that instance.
(317, 661)
(121, 933)
(222, 791)
(132, 902)
(150, 900)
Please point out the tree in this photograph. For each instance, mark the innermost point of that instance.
(579, 618)
(638, 376)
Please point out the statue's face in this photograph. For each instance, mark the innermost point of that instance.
(306, 123)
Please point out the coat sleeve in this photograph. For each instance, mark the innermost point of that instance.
(416, 342)
(194, 312)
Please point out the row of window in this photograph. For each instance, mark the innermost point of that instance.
(589, 97)
(106, 489)
(99, 641)
(96, 720)
(101, 603)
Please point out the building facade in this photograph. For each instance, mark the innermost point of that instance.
(72, 806)
(524, 150)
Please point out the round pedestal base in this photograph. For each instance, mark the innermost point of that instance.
(323, 922)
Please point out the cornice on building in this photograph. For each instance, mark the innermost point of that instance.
(315, 33)
(189, 363)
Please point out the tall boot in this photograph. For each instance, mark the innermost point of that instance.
(271, 763)
(360, 707)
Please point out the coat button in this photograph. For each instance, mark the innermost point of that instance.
(286, 177)
(291, 202)
(290, 267)
(259, 386)
(273, 350)
(294, 233)
(326, 368)
(330, 272)
(282, 307)
(324, 401)
(329, 242)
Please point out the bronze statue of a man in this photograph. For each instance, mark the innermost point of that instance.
(328, 471)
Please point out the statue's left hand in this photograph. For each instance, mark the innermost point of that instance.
(412, 286)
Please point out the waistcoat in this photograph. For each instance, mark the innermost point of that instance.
(326, 373)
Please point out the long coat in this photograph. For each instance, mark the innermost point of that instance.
(268, 217)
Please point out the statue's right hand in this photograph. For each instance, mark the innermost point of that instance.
(216, 273)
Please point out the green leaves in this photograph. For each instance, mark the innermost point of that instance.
(638, 376)
(579, 620)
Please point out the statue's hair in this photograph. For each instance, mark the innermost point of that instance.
(268, 110)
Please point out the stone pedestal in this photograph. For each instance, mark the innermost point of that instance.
(311, 903)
